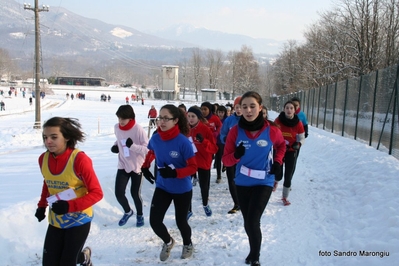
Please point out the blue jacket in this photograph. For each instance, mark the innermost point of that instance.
(228, 123)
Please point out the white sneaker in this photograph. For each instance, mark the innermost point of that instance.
(165, 252)
(87, 252)
(187, 251)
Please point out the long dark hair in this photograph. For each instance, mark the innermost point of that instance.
(69, 127)
(178, 113)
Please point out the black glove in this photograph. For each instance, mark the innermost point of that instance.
(129, 142)
(148, 175)
(60, 207)
(296, 145)
(199, 137)
(115, 149)
(276, 169)
(40, 213)
(240, 151)
(306, 131)
(167, 172)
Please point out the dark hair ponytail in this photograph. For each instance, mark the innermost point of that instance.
(179, 114)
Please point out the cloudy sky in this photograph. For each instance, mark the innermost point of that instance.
(279, 20)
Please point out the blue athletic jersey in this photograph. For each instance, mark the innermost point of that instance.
(175, 151)
(301, 115)
(228, 123)
(258, 156)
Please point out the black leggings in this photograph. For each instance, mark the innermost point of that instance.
(62, 247)
(122, 178)
(204, 178)
(160, 204)
(231, 173)
(289, 168)
(218, 159)
(253, 201)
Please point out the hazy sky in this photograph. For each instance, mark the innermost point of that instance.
(274, 19)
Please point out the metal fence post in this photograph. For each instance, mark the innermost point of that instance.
(345, 105)
(318, 109)
(395, 102)
(334, 105)
(325, 108)
(373, 112)
(358, 105)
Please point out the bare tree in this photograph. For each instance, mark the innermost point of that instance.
(214, 63)
(244, 71)
(7, 65)
(356, 38)
(197, 71)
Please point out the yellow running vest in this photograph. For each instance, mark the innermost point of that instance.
(63, 181)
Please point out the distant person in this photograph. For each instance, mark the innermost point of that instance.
(228, 124)
(152, 115)
(301, 115)
(109, 98)
(66, 168)
(72, 96)
(2, 106)
(183, 108)
(214, 122)
(131, 147)
(221, 113)
(30, 100)
(228, 110)
(202, 137)
(127, 100)
(264, 113)
(294, 136)
(142, 101)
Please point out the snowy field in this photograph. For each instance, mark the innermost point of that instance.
(344, 211)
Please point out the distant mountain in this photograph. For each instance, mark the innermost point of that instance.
(211, 39)
(65, 33)
(71, 43)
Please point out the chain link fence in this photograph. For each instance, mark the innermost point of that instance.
(364, 108)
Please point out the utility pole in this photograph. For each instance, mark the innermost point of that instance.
(36, 9)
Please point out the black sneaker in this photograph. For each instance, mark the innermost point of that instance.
(255, 263)
(248, 260)
(234, 210)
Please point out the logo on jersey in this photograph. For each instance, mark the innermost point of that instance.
(262, 143)
(174, 154)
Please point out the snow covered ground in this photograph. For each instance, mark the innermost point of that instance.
(344, 211)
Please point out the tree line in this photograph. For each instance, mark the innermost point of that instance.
(355, 38)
